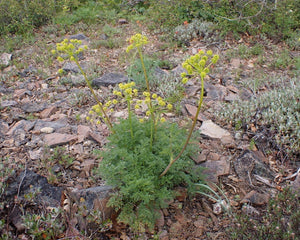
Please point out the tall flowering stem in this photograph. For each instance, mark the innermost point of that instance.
(70, 49)
(197, 66)
(137, 41)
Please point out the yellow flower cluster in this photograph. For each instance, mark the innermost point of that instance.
(127, 91)
(136, 41)
(156, 104)
(68, 49)
(128, 94)
(198, 64)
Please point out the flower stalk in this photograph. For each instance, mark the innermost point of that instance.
(197, 66)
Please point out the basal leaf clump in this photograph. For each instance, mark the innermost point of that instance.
(133, 168)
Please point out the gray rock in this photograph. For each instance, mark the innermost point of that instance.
(79, 36)
(30, 182)
(92, 199)
(23, 124)
(109, 79)
(5, 59)
(8, 103)
(20, 137)
(32, 107)
(215, 92)
(71, 67)
(249, 163)
(77, 80)
(56, 125)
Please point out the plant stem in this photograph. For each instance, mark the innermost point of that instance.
(130, 118)
(94, 95)
(190, 132)
(150, 104)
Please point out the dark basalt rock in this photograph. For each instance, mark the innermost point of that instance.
(109, 79)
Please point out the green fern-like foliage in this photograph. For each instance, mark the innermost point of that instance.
(133, 166)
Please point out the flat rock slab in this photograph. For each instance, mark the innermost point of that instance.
(56, 125)
(214, 169)
(33, 107)
(110, 79)
(212, 130)
(58, 139)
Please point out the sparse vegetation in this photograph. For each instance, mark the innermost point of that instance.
(276, 110)
(281, 220)
(146, 142)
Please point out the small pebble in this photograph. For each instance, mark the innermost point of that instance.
(47, 130)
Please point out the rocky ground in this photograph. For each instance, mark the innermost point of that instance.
(49, 146)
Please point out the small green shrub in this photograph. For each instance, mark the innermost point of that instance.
(167, 14)
(277, 110)
(276, 21)
(22, 16)
(133, 168)
(197, 28)
(281, 220)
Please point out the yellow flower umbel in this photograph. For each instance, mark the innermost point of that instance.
(137, 41)
(196, 66)
(69, 50)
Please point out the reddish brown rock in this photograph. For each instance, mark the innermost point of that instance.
(192, 110)
(83, 132)
(214, 169)
(57, 139)
(46, 113)
(202, 156)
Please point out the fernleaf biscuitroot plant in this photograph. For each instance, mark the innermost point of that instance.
(146, 156)
(133, 168)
